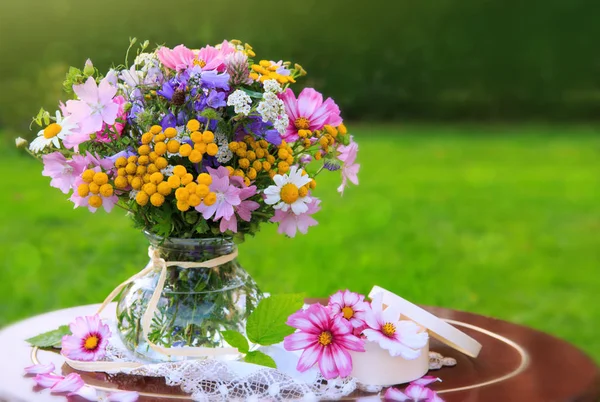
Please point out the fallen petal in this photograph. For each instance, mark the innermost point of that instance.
(40, 369)
(47, 380)
(394, 394)
(71, 383)
(426, 380)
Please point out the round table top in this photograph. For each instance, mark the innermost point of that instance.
(515, 364)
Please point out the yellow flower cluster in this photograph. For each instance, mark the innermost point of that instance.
(190, 193)
(325, 138)
(255, 157)
(97, 184)
(204, 143)
(265, 70)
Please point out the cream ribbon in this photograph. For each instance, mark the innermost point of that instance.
(156, 262)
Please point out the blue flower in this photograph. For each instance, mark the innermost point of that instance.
(213, 80)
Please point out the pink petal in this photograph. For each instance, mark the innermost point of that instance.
(300, 321)
(71, 383)
(299, 340)
(340, 325)
(309, 357)
(394, 394)
(47, 380)
(88, 91)
(106, 91)
(351, 342)
(86, 392)
(308, 101)
(319, 316)
(109, 113)
(342, 359)
(426, 380)
(417, 392)
(40, 369)
(327, 364)
(291, 107)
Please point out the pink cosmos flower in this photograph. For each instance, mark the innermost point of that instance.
(290, 223)
(95, 105)
(308, 112)
(325, 340)
(210, 58)
(244, 210)
(400, 337)
(89, 339)
(350, 167)
(417, 391)
(350, 306)
(109, 133)
(40, 369)
(228, 196)
(177, 59)
(63, 172)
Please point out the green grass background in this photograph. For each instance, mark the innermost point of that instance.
(497, 220)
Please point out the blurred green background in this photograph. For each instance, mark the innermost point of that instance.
(480, 152)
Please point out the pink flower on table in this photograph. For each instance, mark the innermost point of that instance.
(400, 337)
(244, 209)
(290, 223)
(228, 196)
(308, 112)
(88, 340)
(63, 171)
(350, 167)
(417, 391)
(40, 369)
(95, 105)
(109, 133)
(350, 306)
(324, 339)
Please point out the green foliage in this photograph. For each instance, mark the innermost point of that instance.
(266, 325)
(258, 357)
(50, 339)
(236, 340)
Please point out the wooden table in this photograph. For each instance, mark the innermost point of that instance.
(516, 364)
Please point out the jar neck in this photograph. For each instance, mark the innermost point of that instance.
(191, 250)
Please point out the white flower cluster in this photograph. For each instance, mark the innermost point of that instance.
(272, 109)
(240, 101)
(272, 86)
(146, 61)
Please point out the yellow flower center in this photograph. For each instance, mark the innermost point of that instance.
(348, 312)
(199, 62)
(289, 193)
(325, 338)
(388, 329)
(302, 123)
(91, 342)
(52, 130)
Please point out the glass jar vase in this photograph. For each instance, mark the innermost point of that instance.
(195, 305)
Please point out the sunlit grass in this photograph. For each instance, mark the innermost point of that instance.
(498, 221)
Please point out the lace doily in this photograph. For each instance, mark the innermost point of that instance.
(221, 380)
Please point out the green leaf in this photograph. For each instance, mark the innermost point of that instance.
(253, 94)
(258, 357)
(236, 340)
(266, 325)
(51, 338)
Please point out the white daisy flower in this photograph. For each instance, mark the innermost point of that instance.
(289, 192)
(53, 133)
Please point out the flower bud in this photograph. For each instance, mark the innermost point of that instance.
(21, 142)
(88, 69)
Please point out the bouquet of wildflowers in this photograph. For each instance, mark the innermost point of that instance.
(195, 143)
